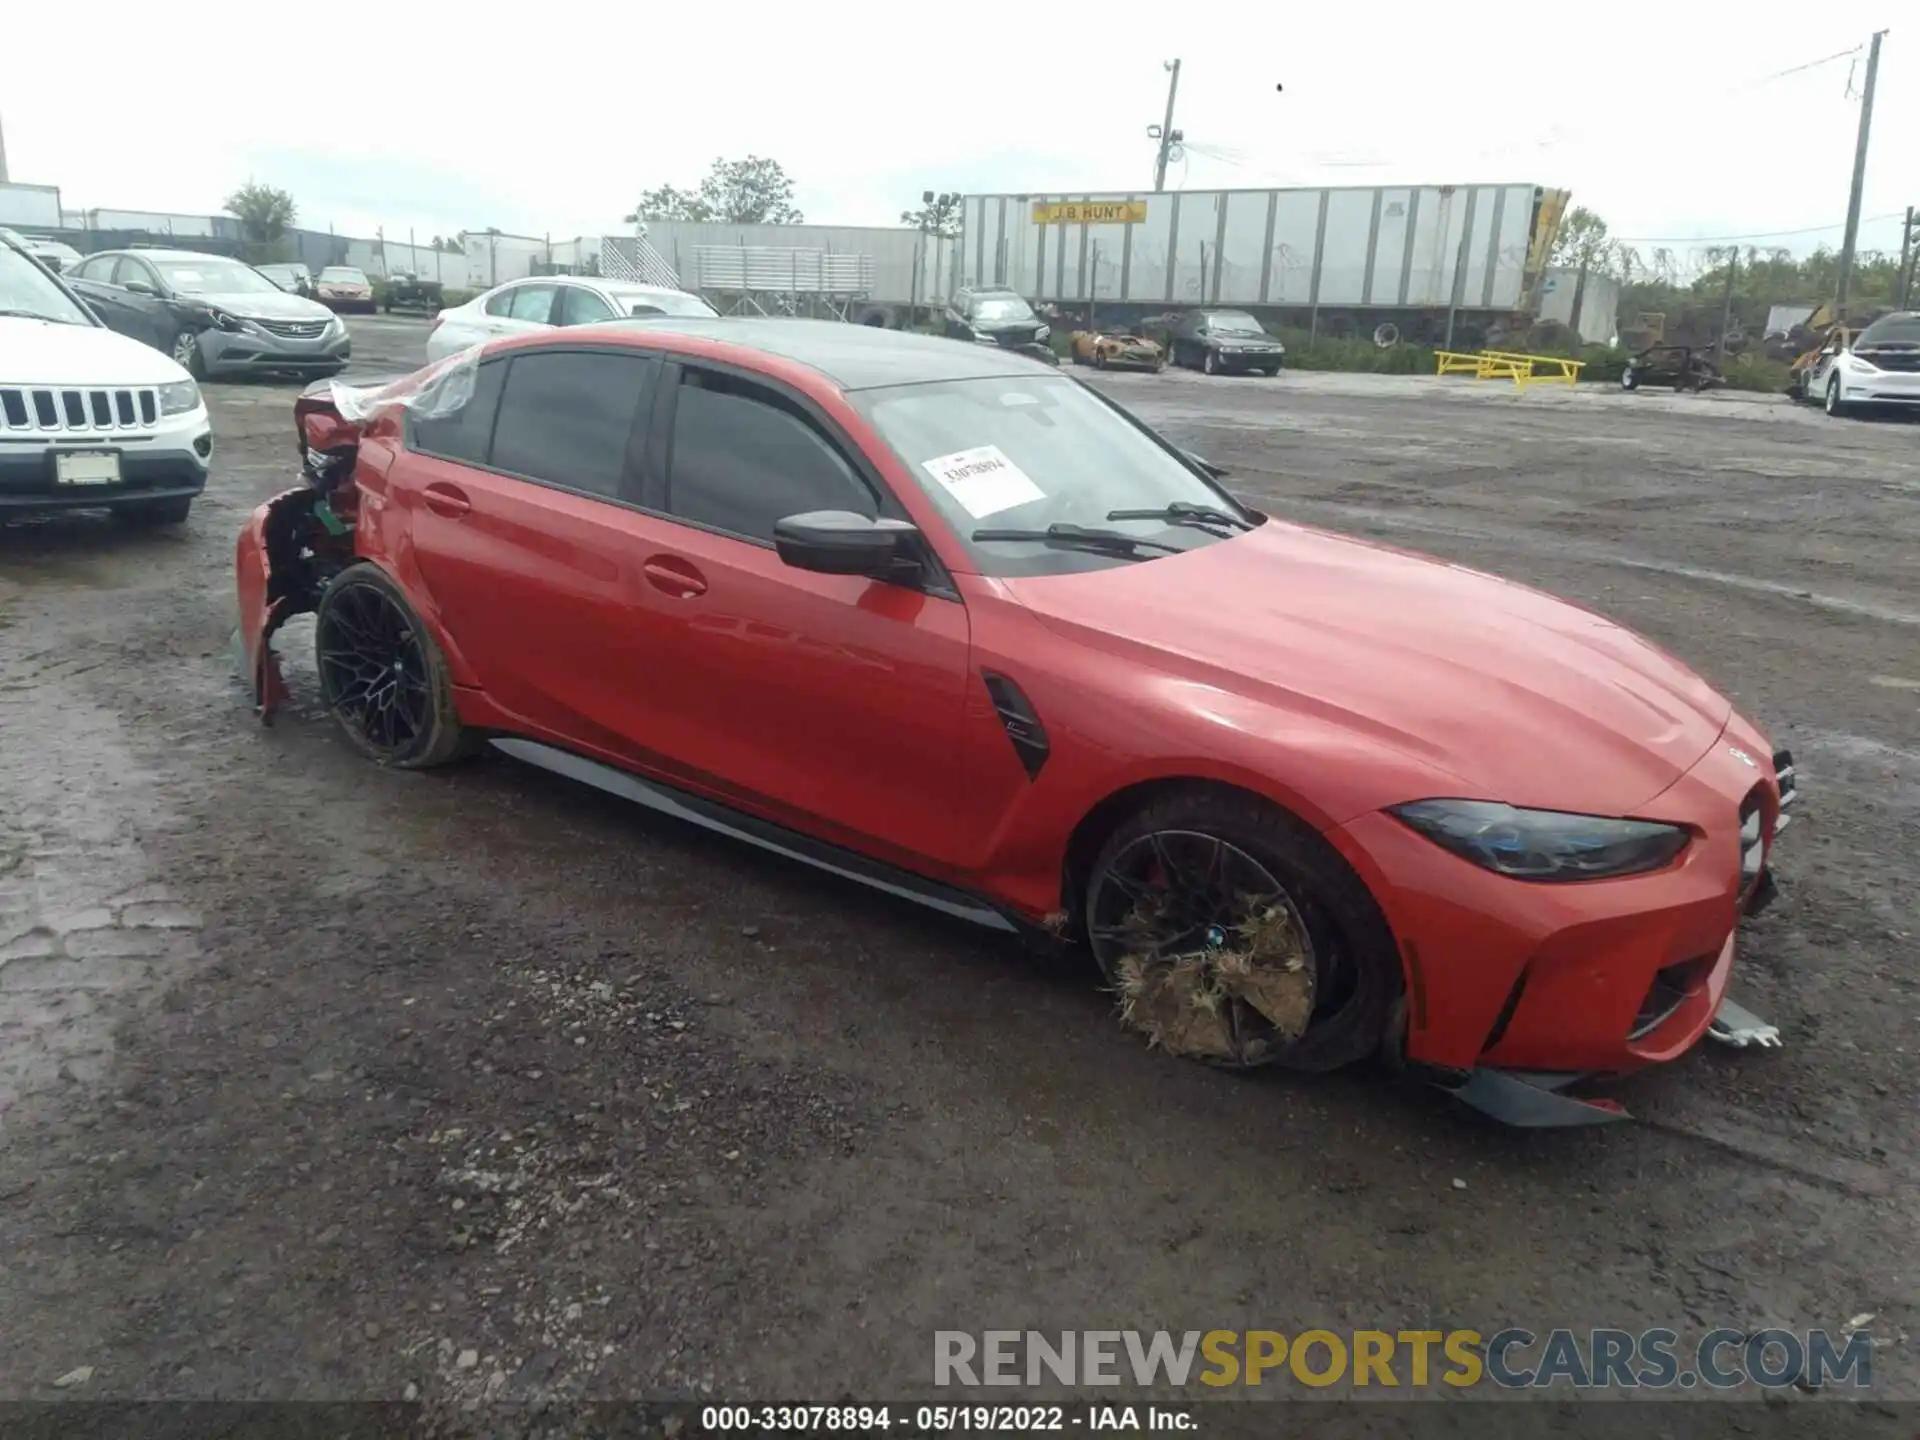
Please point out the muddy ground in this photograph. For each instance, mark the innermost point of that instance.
(324, 1081)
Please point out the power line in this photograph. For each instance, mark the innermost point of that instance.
(1753, 235)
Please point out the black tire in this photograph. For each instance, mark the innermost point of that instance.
(1272, 370)
(1099, 360)
(1629, 379)
(365, 629)
(1208, 364)
(1358, 978)
(186, 349)
(1836, 408)
(144, 514)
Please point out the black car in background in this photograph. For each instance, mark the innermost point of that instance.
(295, 279)
(1216, 341)
(998, 315)
(212, 313)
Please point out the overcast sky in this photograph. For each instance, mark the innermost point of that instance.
(460, 116)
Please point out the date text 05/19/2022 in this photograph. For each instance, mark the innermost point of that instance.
(911, 1419)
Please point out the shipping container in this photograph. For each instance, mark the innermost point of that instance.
(1356, 249)
(30, 207)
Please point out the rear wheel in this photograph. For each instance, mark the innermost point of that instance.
(1235, 935)
(381, 674)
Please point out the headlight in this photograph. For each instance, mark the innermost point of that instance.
(1043, 332)
(1864, 366)
(985, 337)
(1543, 844)
(179, 397)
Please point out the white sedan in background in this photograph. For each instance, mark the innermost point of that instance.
(542, 302)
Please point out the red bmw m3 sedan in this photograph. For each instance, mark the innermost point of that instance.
(946, 620)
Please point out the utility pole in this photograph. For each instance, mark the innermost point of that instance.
(1164, 132)
(1908, 235)
(1726, 306)
(1859, 178)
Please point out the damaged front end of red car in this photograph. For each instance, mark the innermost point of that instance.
(295, 543)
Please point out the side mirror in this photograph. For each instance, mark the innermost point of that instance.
(839, 542)
(139, 287)
(1204, 466)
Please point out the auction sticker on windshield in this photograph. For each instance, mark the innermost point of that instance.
(983, 480)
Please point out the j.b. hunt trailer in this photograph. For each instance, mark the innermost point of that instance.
(1337, 260)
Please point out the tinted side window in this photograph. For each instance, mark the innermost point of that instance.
(462, 435)
(565, 417)
(742, 459)
(130, 270)
(502, 303)
(582, 307)
(96, 267)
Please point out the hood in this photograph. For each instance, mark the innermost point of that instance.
(40, 352)
(1521, 697)
(263, 305)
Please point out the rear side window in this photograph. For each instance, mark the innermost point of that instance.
(565, 417)
(582, 307)
(463, 435)
(742, 458)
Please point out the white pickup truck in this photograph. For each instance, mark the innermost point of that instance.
(90, 419)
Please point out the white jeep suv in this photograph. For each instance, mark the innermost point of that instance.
(88, 418)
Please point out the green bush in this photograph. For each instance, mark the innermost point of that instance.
(1306, 351)
(1755, 372)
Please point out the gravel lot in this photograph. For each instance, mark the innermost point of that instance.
(324, 1081)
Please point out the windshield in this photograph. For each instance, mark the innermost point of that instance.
(1892, 330)
(1232, 322)
(1028, 452)
(663, 302)
(343, 275)
(26, 290)
(212, 277)
(1000, 307)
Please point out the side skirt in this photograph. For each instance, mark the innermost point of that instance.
(723, 820)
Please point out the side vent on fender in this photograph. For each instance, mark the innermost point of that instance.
(1024, 729)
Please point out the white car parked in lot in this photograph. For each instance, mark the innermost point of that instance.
(90, 419)
(542, 302)
(1880, 368)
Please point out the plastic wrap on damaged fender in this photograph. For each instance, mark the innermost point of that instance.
(431, 393)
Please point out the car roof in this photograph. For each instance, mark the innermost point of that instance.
(160, 253)
(852, 357)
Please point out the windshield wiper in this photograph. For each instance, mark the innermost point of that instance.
(1185, 512)
(1080, 537)
(37, 315)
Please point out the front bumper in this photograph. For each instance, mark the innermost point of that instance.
(239, 352)
(1594, 977)
(1249, 359)
(1885, 387)
(167, 463)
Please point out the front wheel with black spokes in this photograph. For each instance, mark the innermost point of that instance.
(381, 674)
(1232, 934)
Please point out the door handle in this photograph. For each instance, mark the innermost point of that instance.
(674, 576)
(448, 500)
